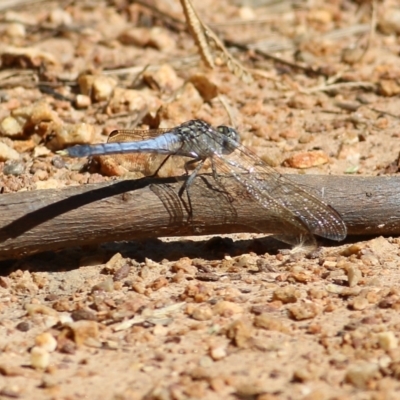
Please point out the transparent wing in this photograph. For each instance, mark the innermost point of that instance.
(284, 199)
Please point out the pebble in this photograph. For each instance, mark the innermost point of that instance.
(50, 183)
(40, 358)
(301, 101)
(15, 30)
(13, 168)
(159, 283)
(182, 108)
(388, 87)
(58, 162)
(352, 55)
(7, 153)
(69, 134)
(361, 374)
(227, 308)
(240, 332)
(82, 101)
(58, 16)
(139, 37)
(82, 331)
(23, 326)
(82, 314)
(389, 21)
(218, 352)
(359, 303)
(46, 341)
(164, 79)
(161, 39)
(266, 321)
(387, 340)
(106, 286)
(354, 275)
(128, 100)
(303, 311)
(307, 160)
(207, 89)
(202, 312)
(10, 127)
(98, 87)
(287, 294)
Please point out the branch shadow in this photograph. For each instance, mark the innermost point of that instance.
(41, 215)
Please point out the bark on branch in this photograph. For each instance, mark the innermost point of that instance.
(43, 220)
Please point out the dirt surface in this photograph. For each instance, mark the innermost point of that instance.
(200, 318)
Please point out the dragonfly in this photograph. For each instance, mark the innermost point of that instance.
(303, 212)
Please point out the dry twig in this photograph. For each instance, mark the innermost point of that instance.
(43, 220)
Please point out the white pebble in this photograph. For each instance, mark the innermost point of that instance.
(40, 358)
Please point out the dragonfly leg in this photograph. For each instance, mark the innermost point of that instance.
(188, 182)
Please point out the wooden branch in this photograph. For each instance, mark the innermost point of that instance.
(43, 220)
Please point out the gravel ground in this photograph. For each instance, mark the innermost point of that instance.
(233, 317)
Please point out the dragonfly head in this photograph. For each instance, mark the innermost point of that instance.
(231, 138)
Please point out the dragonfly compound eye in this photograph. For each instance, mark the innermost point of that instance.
(231, 138)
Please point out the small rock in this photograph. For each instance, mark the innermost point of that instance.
(287, 294)
(129, 100)
(202, 312)
(300, 312)
(353, 275)
(359, 303)
(33, 309)
(159, 283)
(10, 127)
(13, 168)
(139, 37)
(164, 79)
(70, 134)
(240, 332)
(266, 321)
(82, 331)
(82, 101)
(320, 15)
(106, 286)
(301, 101)
(182, 108)
(389, 21)
(218, 352)
(23, 326)
(40, 151)
(15, 30)
(354, 249)
(40, 358)
(11, 391)
(98, 87)
(352, 55)
(87, 315)
(161, 39)
(387, 340)
(46, 341)
(58, 16)
(207, 89)
(361, 374)
(58, 162)
(389, 87)
(7, 153)
(307, 160)
(49, 184)
(227, 308)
